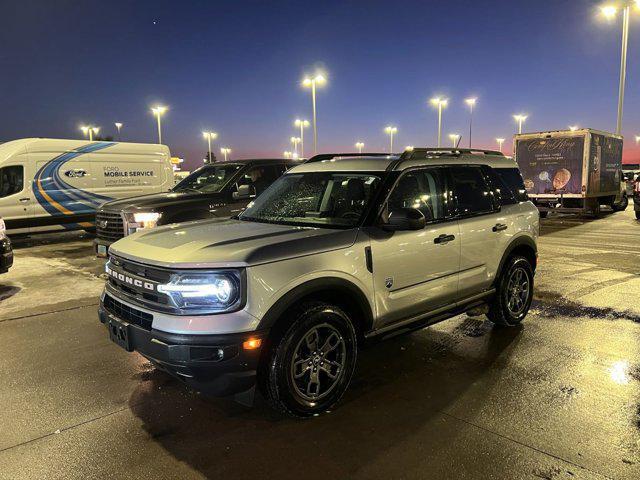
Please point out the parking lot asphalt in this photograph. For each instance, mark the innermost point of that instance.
(557, 397)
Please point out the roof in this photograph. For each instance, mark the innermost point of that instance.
(556, 133)
(377, 162)
(255, 160)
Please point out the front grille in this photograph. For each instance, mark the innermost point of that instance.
(109, 225)
(127, 313)
(154, 274)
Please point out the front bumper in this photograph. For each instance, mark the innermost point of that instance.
(216, 365)
(6, 254)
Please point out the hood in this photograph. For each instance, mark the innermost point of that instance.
(156, 201)
(228, 243)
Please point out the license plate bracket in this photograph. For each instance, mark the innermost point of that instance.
(120, 334)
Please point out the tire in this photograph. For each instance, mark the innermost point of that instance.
(637, 214)
(622, 206)
(505, 309)
(544, 214)
(296, 380)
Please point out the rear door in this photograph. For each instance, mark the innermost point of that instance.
(416, 271)
(480, 223)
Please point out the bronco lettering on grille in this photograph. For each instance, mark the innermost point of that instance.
(130, 280)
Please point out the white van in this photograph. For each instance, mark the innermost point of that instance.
(51, 184)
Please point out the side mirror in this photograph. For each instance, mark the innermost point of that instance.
(405, 219)
(244, 192)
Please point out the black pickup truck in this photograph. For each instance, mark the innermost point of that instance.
(220, 189)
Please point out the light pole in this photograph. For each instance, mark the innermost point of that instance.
(295, 141)
(210, 136)
(225, 151)
(118, 126)
(302, 124)
(359, 146)
(85, 130)
(500, 142)
(93, 131)
(158, 111)
(520, 120)
(573, 128)
(287, 154)
(472, 103)
(312, 82)
(637, 139)
(391, 131)
(609, 11)
(454, 137)
(409, 148)
(439, 103)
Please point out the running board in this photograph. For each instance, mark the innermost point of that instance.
(434, 316)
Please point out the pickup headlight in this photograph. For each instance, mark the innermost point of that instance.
(211, 292)
(147, 219)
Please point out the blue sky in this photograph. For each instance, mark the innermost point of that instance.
(235, 66)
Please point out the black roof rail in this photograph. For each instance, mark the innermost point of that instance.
(328, 156)
(417, 153)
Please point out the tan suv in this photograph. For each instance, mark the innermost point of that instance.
(340, 249)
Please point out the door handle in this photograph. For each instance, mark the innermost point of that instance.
(444, 238)
(498, 227)
(25, 199)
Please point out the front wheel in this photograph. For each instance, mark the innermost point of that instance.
(637, 214)
(619, 207)
(514, 293)
(311, 364)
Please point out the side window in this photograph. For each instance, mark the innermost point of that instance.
(261, 177)
(502, 193)
(472, 193)
(421, 189)
(11, 180)
(512, 178)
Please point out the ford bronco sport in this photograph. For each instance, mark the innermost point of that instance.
(340, 249)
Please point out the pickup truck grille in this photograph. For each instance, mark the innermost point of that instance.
(109, 225)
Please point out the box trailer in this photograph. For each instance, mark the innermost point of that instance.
(571, 170)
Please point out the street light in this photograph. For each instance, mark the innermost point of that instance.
(472, 103)
(118, 126)
(409, 148)
(391, 131)
(439, 103)
(287, 154)
(573, 128)
(158, 111)
(609, 11)
(520, 118)
(295, 141)
(302, 124)
(500, 142)
(359, 146)
(225, 151)
(637, 139)
(85, 130)
(312, 82)
(210, 136)
(93, 131)
(454, 137)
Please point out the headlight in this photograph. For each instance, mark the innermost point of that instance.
(205, 292)
(145, 220)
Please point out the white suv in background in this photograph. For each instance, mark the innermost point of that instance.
(340, 249)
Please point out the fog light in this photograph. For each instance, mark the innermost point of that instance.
(252, 344)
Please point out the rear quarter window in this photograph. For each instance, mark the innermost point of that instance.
(512, 179)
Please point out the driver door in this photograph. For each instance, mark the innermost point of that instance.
(416, 271)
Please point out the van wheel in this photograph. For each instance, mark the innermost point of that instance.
(514, 293)
(311, 364)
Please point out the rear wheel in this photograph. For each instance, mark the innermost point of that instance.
(637, 214)
(311, 364)
(514, 293)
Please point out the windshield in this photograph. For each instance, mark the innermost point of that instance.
(208, 179)
(318, 199)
